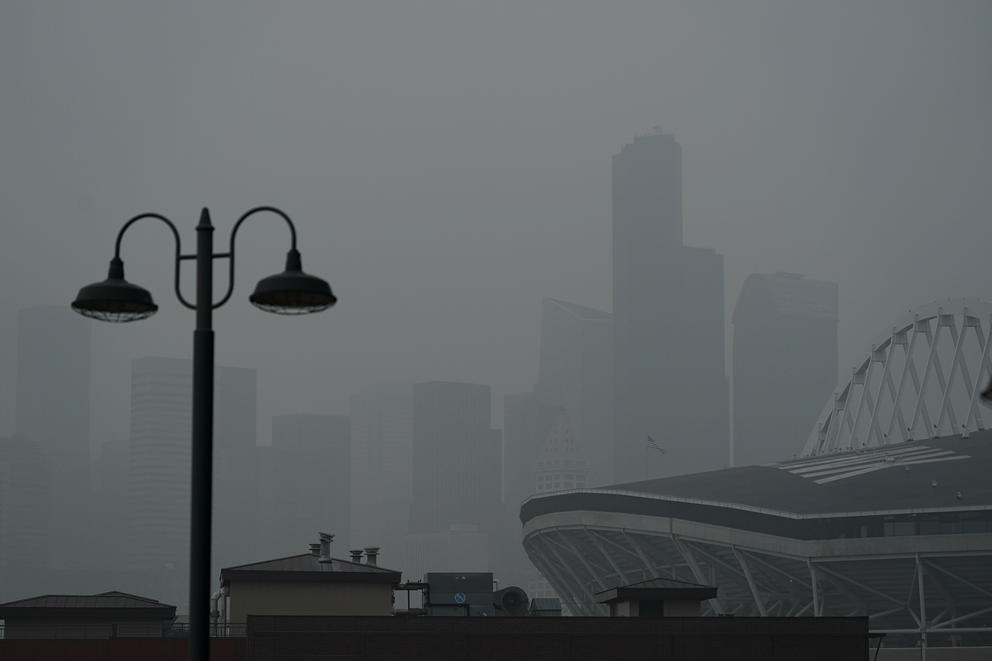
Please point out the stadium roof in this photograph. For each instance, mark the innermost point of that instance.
(938, 475)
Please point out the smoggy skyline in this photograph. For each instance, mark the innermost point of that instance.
(448, 165)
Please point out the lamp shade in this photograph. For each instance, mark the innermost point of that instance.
(114, 299)
(293, 291)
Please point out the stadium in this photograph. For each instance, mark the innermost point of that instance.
(886, 511)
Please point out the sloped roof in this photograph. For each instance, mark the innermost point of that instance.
(657, 588)
(308, 567)
(104, 603)
(580, 311)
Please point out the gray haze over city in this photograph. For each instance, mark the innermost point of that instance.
(448, 167)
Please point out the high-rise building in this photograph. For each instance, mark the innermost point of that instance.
(668, 327)
(159, 470)
(785, 363)
(560, 465)
(24, 515)
(109, 505)
(527, 421)
(310, 480)
(53, 411)
(381, 467)
(576, 372)
(456, 457)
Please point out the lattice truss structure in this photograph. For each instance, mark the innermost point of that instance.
(920, 381)
(942, 596)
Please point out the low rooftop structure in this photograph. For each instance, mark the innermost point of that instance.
(656, 597)
(104, 615)
(310, 584)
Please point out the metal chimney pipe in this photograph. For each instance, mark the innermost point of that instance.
(325, 546)
(372, 555)
(356, 555)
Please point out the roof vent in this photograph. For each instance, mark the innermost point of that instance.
(372, 555)
(325, 546)
(315, 548)
(356, 555)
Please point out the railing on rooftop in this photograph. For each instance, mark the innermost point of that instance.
(116, 630)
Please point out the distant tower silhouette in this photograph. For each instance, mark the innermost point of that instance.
(53, 411)
(668, 321)
(785, 363)
(576, 372)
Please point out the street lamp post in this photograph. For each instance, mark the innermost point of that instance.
(117, 300)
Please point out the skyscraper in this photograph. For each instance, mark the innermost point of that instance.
(456, 457)
(311, 480)
(527, 421)
(381, 467)
(53, 411)
(159, 469)
(24, 516)
(785, 363)
(576, 372)
(668, 328)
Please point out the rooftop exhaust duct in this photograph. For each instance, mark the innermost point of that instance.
(325, 546)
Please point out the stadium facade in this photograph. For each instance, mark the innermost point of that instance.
(884, 514)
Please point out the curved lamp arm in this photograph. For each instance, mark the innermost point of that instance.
(178, 257)
(234, 234)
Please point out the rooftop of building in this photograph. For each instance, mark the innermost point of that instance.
(580, 311)
(309, 567)
(657, 588)
(104, 603)
(790, 294)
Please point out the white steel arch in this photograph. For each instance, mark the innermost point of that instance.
(921, 380)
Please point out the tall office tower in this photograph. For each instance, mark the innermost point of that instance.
(560, 465)
(235, 487)
(576, 372)
(53, 410)
(527, 421)
(159, 470)
(381, 467)
(24, 515)
(668, 374)
(108, 505)
(456, 457)
(703, 391)
(785, 363)
(311, 480)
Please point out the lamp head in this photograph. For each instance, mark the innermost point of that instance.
(293, 291)
(114, 299)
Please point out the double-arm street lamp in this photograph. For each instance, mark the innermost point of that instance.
(115, 299)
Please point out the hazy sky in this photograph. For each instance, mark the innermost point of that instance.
(448, 164)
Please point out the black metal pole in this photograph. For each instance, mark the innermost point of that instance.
(201, 501)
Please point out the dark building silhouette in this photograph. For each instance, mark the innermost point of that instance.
(158, 484)
(108, 504)
(381, 475)
(785, 363)
(24, 515)
(668, 323)
(527, 421)
(53, 411)
(309, 481)
(576, 372)
(456, 457)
